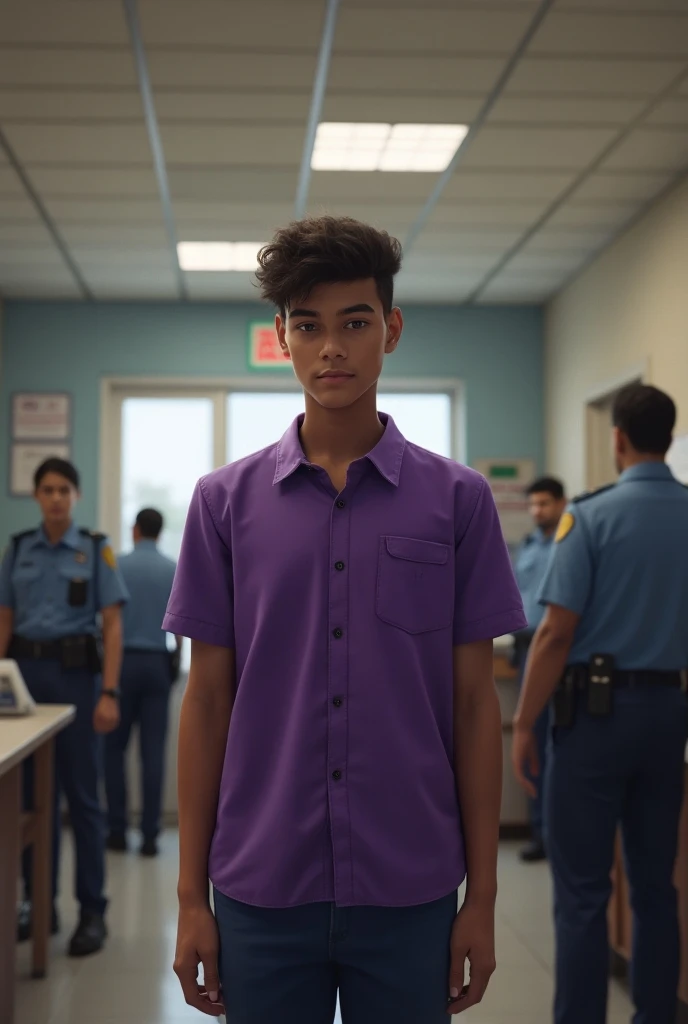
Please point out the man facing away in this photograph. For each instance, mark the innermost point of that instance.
(148, 671)
(340, 744)
(546, 502)
(614, 646)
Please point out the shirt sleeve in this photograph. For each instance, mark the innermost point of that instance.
(201, 604)
(568, 579)
(487, 602)
(111, 586)
(6, 588)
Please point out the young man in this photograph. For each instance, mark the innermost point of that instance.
(148, 671)
(340, 745)
(547, 503)
(59, 588)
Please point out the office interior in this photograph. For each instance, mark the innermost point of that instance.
(544, 268)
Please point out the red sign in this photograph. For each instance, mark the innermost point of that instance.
(264, 351)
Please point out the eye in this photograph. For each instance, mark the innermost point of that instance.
(356, 325)
(306, 328)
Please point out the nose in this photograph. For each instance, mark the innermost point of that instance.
(332, 347)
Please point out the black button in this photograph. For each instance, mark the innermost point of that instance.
(337, 702)
(338, 633)
(336, 776)
(339, 566)
(341, 504)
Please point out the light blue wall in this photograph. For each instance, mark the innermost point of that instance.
(496, 351)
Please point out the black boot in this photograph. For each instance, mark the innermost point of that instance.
(149, 848)
(24, 921)
(117, 841)
(90, 934)
(534, 852)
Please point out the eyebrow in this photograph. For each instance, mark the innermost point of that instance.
(361, 307)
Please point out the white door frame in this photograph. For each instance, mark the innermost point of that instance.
(113, 391)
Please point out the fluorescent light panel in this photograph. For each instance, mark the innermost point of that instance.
(345, 146)
(218, 256)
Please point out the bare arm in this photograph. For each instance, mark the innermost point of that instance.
(203, 731)
(549, 653)
(6, 629)
(478, 766)
(106, 716)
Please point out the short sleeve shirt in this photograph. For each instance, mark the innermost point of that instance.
(343, 611)
(148, 575)
(532, 559)
(57, 590)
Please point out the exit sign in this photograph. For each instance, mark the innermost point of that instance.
(264, 352)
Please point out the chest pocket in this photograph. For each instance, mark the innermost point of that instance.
(26, 584)
(76, 585)
(415, 584)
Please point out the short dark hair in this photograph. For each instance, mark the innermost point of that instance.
(323, 250)
(150, 522)
(646, 416)
(547, 485)
(55, 465)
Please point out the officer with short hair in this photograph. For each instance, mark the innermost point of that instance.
(546, 503)
(613, 650)
(148, 671)
(59, 589)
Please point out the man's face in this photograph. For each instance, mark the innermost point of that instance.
(57, 498)
(546, 510)
(337, 339)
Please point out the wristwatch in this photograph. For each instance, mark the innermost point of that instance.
(115, 694)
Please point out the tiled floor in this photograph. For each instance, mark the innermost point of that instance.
(132, 982)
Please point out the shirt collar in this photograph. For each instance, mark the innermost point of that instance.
(541, 537)
(71, 539)
(647, 471)
(146, 544)
(386, 456)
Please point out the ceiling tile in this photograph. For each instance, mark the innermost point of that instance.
(247, 145)
(31, 255)
(65, 67)
(401, 106)
(272, 106)
(262, 24)
(79, 143)
(540, 148)
(37, 282)
(499, 185)
(671, 112)
(598, 216)
(229, 221)
(69, 104)
(482, 215)
(651, 149)
(596, 33)
(122, 260)
(557, 237)
(214, 70)
(333, 186)
(431, 29)
(110, 234)
(623, 6)
(16, 207)
(10, 184)
(237, 184)
(64, 22)
(25, 233)
(563, 110)
(360, 73)
(587, 77)
(91, 181)
(637, 186)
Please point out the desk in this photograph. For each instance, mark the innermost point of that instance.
(19, 738)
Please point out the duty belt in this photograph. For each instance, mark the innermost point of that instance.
(628, 679)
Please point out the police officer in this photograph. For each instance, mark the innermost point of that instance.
(59, 586)
(546, 503)
(148, 671)
(614, 646)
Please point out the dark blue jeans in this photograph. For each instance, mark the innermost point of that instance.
(390, 965)
(626, 769)
(78, 764)
(145, 685)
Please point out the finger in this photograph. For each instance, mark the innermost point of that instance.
(534, 763)
(522, 778)
(474, 992)
(211, 978)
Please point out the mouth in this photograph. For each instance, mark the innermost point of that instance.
(335, 375)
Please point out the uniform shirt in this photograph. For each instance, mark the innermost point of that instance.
(532, 559)
(148, 575)
(343, 609)
(35, 582)
(621, 563)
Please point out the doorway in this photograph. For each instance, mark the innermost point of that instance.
(600, 467)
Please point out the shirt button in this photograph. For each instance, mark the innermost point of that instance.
(338, 633)
(341, 504)
(337, 702)
(339, 566)
(336, 776)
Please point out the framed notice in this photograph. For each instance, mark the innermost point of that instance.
(508, 479)
(25, 458)
(264, 352)
(45, 416)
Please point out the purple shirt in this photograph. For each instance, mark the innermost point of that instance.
(343, 609)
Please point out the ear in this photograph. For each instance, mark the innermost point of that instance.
(395, 326)
(618, 440)
(281, 328)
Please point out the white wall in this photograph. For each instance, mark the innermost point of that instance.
(629, 308)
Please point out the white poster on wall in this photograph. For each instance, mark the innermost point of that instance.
(508, 479)
(677, 458)
(25, 460)
(39, 415)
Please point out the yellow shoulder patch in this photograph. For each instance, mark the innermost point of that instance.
(566, 524)
(109, 557)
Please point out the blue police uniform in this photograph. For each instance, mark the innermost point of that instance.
(145, 685)
(621, 564)
(530, 565)
(57, 591)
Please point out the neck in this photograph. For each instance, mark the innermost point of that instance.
(56, 531)
(548, 530)
(341, 436)
(640, 459)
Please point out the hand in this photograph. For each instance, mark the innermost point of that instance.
(524, 757)
(473, 940)
(106, 715)
(198, 943)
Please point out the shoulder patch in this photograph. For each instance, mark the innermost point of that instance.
(566, 524)
(591, 494)
(108, 556)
